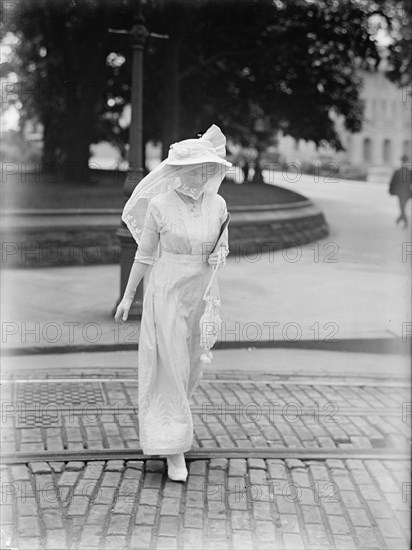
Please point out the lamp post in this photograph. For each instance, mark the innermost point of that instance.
(138, 36)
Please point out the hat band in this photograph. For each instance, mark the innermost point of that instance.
(182, 152)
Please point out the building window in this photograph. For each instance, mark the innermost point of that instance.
(367, 150)
(387, 151)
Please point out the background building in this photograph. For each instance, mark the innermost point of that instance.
(377, 149)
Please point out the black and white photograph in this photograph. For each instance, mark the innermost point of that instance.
(206, 274)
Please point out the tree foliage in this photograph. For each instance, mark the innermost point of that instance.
(293, 63)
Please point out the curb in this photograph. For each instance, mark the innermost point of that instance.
(386, 346)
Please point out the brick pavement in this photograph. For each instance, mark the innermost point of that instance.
(231, 503)
(97, 409)
(235, 503)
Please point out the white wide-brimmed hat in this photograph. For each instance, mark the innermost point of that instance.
(183, 157)
(211, 147)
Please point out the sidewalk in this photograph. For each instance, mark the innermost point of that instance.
(292, 449)
(264, 302)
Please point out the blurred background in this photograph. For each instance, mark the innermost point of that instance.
(314, 97)
(322, 84)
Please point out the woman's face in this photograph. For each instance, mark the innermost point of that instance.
(193, 182)
(194, 177)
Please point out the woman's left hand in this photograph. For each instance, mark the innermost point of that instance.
(218, 258)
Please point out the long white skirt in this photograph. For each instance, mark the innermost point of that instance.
(170, 368)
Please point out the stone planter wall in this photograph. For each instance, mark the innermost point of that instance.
(250, 232)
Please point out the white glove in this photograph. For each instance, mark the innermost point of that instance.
(136, 275)
(219, 257)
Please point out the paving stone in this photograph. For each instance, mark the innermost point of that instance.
(242, 540)
(39, 468)
(105, 495)
(358, 517)
(239, 520)
(57, 467)
(192, 538)
(123, 506)
(195, 498)
(158, 466)
(115, 542)
(75, 466)
(135, 464)
(197, 467)
(261, 510)
(68, 479)
(26, 507)
(293, 541)
(311, 514)
(98, 513)
(168, 526)
(56, 539)
(133, 474)
(237, 467)
(20, 473)
(217, 509)
(28, 526)
(78, 506)
(289, 523)
(389, 528)
(166, 543)
(218, 464)
(118, 524)
(397, 544)
(265, 530)
(145, 515)
(29, 543)
(90, 537)
(294, 463)
(367, 537)
(216, 529)
(52, 519)
(93, 470)
(256, 463)
(111, 479)
(339, 525)
(152, 480)
(86, 487)
(345, 542)
(193, 517)
(170, 507)
(172, 489)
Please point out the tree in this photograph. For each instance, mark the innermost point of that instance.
(231, 63)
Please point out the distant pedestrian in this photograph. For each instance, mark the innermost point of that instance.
(401, 185)
(249, 156)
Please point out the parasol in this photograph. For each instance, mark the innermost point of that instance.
(210, 322)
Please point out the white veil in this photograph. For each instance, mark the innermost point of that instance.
(207, 152)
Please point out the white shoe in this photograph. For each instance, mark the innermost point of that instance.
(176, 467)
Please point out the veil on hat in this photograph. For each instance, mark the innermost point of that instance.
(207, 152)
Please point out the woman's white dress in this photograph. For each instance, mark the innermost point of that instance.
(169, 365)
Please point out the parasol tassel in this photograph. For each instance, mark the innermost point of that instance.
(206, 357)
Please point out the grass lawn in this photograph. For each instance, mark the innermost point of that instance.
(107, 192)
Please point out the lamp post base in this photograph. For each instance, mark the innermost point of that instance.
(128, 249)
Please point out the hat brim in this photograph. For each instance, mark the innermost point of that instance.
(204, 160)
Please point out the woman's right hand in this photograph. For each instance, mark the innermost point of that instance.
(122, 311)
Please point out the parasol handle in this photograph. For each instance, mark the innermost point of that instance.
(211, 281)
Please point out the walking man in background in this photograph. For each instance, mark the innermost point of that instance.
(401, 185)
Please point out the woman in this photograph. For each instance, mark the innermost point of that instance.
(175, 215)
